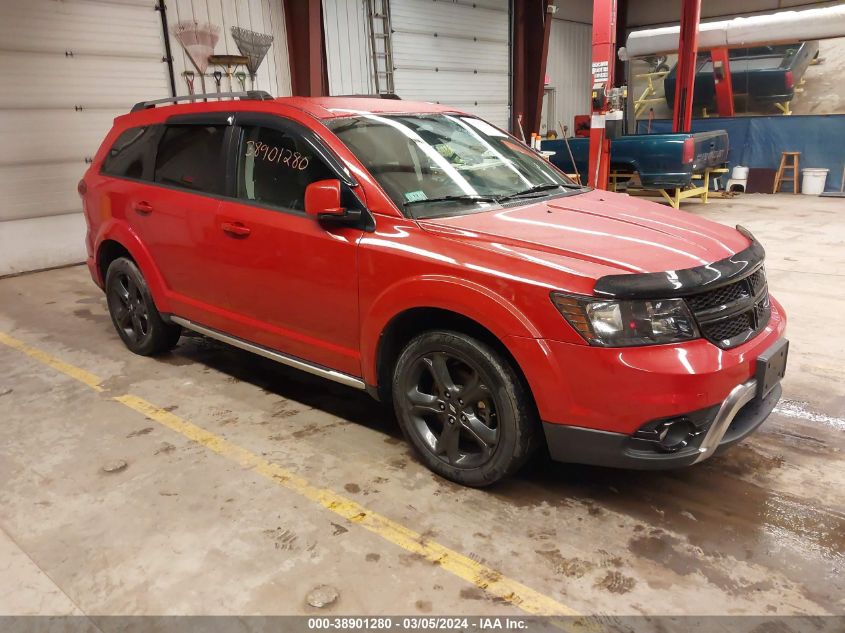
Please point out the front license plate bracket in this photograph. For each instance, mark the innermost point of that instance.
(771, 367)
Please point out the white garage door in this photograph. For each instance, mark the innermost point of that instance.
(68, 68)
(456, 53)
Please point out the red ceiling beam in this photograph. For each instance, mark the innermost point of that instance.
(306, 48)
(532, 25)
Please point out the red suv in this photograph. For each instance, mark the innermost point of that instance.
(430, 258)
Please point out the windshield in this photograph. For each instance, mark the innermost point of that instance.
(446, 164)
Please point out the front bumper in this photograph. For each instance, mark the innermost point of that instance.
(722, 426)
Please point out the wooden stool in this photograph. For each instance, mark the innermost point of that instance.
(785, 159)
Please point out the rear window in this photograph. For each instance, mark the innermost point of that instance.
(126, 157)
(192, 157)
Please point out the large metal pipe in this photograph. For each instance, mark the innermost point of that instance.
(784, 26)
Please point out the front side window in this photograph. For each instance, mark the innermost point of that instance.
(444, 164)
(193, 157)
(275, 167)
(127, 156)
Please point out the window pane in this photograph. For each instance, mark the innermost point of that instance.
(275, 167)
(192, 156)
(127, 155)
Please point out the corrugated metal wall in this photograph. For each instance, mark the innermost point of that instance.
(68, 69)
(568, 67)
(457, 53)
(348, 55)
(263, 16)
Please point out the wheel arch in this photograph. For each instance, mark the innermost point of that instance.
(115, 241)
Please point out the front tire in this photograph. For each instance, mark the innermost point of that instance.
(133, 312)
(463, 408)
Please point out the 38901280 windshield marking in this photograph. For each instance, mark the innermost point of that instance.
(279, 155)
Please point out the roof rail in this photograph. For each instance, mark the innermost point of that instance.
(253, 95)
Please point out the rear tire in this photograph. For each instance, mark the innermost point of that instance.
(463, 408)
(133, 312)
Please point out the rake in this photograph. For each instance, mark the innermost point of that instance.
(198, 39)
(254, 46)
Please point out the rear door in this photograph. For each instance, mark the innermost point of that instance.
(292, 282)
(174, 213)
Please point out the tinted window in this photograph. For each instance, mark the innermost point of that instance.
(274, 167)
(126, 157)
(193, 157)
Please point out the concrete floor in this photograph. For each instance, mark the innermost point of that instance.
(186, 530)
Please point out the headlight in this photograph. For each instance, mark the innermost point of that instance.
(625, 323)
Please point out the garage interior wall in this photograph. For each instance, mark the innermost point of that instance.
(568, 69)
(456, 53)
(659, 12)
(262, 16)
(349, 56)
(68, 69)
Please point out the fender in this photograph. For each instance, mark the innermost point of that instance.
(462, 296)
(121, 233)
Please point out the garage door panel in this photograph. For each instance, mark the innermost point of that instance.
(443, 52)
(47, 136)
(41, 243)
(447, 18)
(81, 28)
(35, 190)
(454, 53)
(48, 80)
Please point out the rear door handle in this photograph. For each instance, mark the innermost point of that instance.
(236, 229)
(143, 207)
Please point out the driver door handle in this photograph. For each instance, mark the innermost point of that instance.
(236, 229)
(143, 207)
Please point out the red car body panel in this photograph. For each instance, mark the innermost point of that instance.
(327, 294)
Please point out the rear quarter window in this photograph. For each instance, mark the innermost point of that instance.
(128, 154)
(193, 157)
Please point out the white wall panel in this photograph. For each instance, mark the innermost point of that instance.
(349, 57)
(568, 68)
(39, 243)
(455, 53)
(262, 16)
(67, 69)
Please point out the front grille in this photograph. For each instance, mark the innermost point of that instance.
(732, 314)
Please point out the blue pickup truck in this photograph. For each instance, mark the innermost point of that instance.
(662, 161)
(764, 74)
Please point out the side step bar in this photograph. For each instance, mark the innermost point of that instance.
(284, 359)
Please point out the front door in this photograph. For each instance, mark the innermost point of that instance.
(292, 283)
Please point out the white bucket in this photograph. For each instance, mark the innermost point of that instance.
(739, 173)
(812, 181)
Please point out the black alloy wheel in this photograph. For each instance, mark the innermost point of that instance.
(463, 408)
(134, 313)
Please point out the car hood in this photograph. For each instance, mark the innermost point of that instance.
(610, 233)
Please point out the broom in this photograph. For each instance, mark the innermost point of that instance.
(254, 46)
(198, 40)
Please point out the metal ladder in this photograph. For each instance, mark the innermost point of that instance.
(378, 18)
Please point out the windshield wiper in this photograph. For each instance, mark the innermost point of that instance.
(461, 198)
(539, 189)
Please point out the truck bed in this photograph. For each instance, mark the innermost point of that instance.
(656, 158)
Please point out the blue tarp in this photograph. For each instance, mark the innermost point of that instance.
(757, 141)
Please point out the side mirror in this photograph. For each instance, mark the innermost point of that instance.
(322, 201)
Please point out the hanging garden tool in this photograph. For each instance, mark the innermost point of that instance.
(218, 77)
(198, 40)
(189, 76)
(229, 62)
(241, 77)
(254, 46)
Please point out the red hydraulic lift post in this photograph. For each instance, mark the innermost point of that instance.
(724, 85)
(687, 56)
(604, 61)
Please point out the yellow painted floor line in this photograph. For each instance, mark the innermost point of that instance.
(482, 576)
